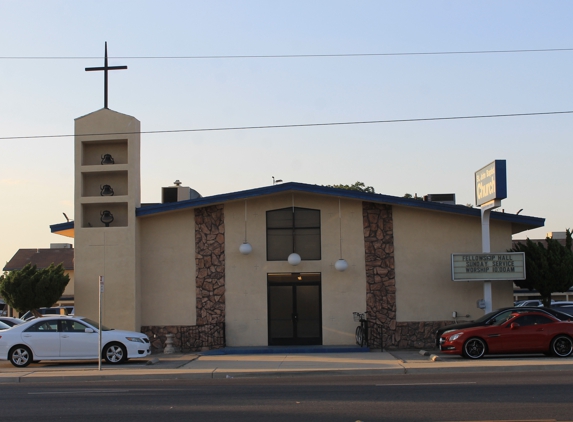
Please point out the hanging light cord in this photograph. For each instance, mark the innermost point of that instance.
(340, 226)
(293, 232)
(245, 221)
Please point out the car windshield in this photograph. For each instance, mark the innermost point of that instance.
(486, 317)
(503, 317)
(95, 324)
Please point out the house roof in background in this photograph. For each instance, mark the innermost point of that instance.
(42, 258)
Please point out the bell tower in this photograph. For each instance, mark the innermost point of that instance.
(107, 192)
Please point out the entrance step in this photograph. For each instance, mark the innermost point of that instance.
(258, 350)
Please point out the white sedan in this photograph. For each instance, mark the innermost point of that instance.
(66, 338)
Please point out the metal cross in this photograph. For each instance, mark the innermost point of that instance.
(105, 68)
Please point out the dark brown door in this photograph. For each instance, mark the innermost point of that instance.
(294, 309)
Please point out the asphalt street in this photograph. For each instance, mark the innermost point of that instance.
(495, 396)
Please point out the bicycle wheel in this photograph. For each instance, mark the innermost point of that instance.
(360, 336)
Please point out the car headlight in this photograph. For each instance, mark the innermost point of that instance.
(456, 336)
(136, 339)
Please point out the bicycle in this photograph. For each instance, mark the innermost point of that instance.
(362, 329)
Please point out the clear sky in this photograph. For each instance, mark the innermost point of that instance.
(44, 96)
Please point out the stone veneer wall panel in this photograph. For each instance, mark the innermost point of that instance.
(385, 331)
(380, 278)
(210, 264)
(186, 338)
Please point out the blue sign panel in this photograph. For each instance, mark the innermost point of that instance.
(491, 182)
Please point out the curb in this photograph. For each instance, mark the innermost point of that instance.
(474, 369)
(229, 373)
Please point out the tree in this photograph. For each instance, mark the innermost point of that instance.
(359, 186)
(415, 196)
(548, 269)
(29, 288)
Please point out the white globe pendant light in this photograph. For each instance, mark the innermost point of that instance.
(294, 259)
(341, 265)
(246, 248)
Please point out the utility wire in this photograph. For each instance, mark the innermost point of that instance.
(293, 56)
(427, 119)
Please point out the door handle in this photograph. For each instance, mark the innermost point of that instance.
(65, 336)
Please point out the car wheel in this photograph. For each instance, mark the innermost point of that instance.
(20, 356)
(474, 348)
(114, 353)
(562, 346)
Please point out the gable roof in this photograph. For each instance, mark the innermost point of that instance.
(42, 258)
(519, 222)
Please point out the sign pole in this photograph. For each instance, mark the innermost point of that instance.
(490, 189)
(101, 284)
(485, 248)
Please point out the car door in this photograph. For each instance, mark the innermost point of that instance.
(75, 342)
(43, 338)
(492, 336)
(527, 333)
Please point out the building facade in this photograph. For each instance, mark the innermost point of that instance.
(181, 266)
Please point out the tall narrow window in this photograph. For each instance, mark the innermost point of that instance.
(293, 230)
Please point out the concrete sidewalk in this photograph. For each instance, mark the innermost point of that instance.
(196, 366)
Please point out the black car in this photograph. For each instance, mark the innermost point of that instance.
(492, 317)
(563, 307)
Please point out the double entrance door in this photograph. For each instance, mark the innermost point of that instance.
(294, 309)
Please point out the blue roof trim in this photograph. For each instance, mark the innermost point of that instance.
(61, 226)
(338, 193)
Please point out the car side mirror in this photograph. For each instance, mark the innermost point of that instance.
(514, 325)
(89, 330)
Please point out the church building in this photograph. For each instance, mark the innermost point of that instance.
(285, 264)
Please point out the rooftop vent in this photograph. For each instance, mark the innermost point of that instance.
(557, 235)
(443, 198)
(178, 193)
(61, 246)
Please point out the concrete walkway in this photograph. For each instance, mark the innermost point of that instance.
(196, 366)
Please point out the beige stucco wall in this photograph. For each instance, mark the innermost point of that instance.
(168, 269)
(104, 253)
(108, 251)
(423, 244)
(246, 275)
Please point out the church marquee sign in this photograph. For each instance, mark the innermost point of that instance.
(488, 266)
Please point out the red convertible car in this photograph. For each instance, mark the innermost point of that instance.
(520, 332)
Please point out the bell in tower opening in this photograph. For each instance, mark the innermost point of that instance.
(106, 217)
(107, 159)
(106, 190)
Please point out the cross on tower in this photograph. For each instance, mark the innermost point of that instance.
(105, 68)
